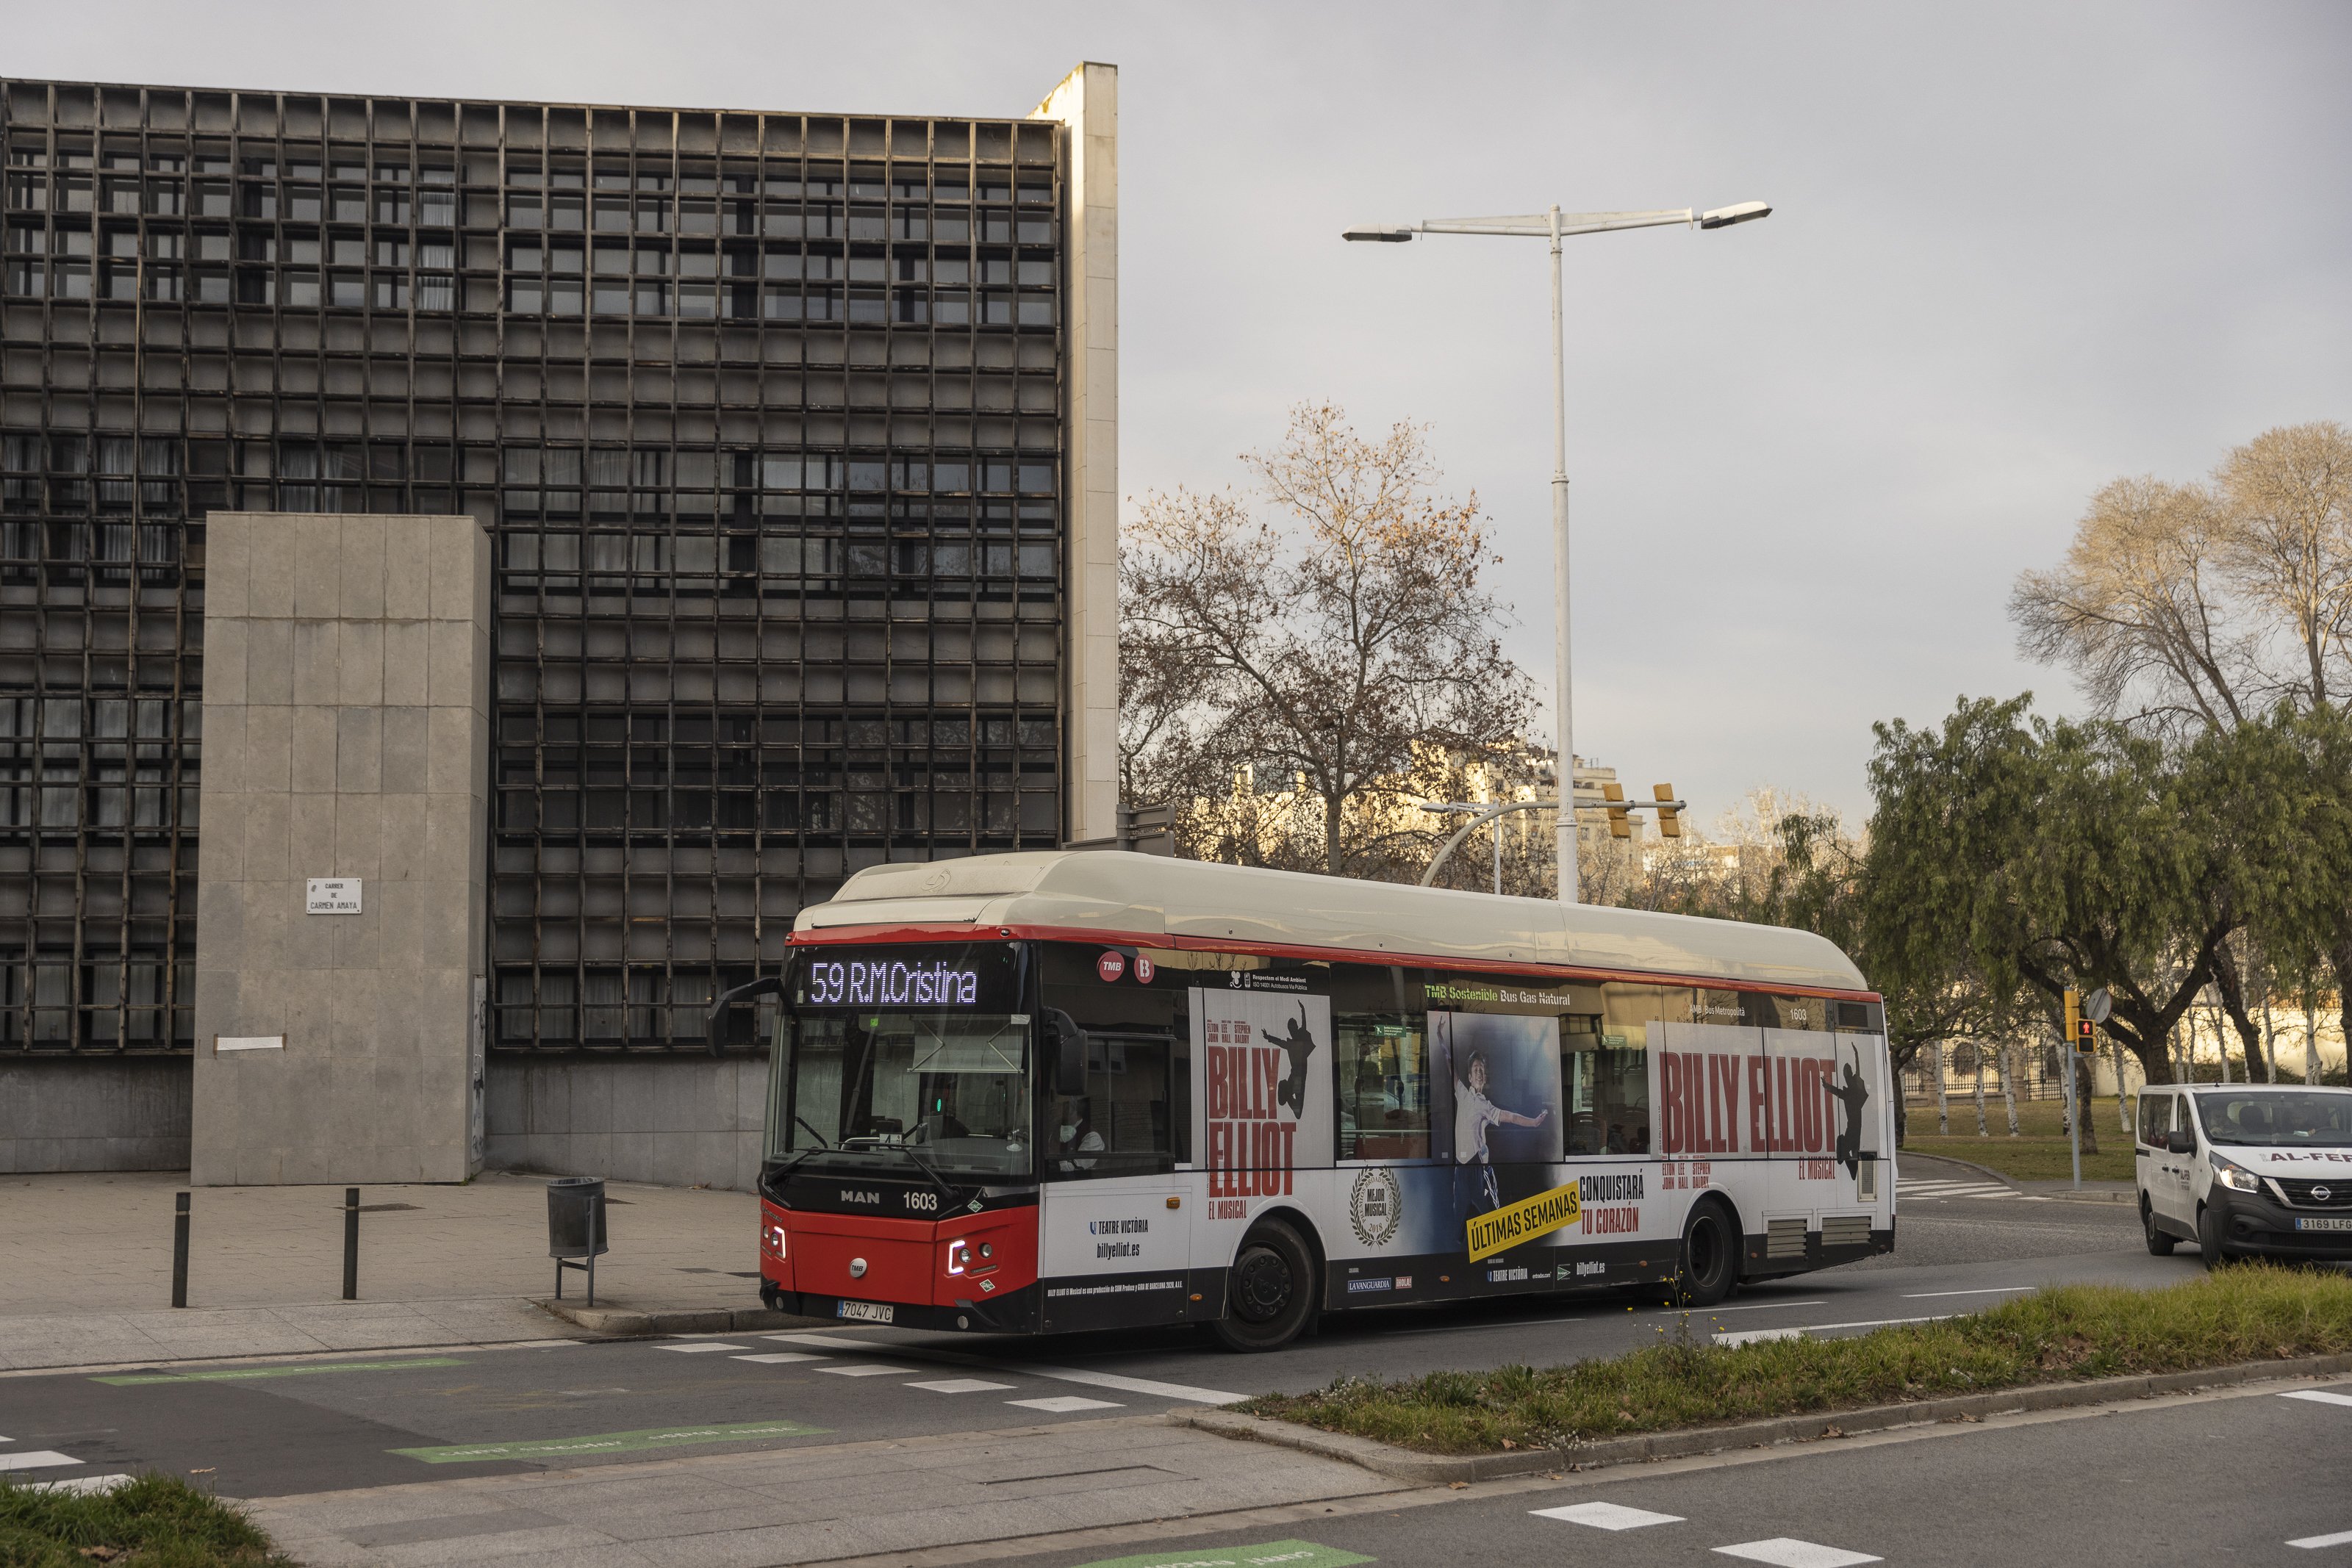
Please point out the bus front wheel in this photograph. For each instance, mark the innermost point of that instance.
(1269, 1293)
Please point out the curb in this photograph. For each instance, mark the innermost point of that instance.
(1433, 1469)
(623, 1322)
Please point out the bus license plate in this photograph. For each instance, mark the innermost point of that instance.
(2330, 1223)
(868, 1311)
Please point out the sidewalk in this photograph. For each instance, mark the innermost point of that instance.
(808, 1505)
(86, 1266)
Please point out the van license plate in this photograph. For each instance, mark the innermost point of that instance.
(2331, 1223)
(868, 1311)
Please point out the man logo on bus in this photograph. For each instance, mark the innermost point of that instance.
(1854, 1095)
(1300, 1045)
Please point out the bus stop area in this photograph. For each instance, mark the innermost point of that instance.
(91, 1263)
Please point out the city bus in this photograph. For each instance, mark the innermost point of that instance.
(1062, 1091)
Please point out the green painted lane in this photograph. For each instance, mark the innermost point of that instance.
(1271, 1554)
(245, 1374)
(617, 1443)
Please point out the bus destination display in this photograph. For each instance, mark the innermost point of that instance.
(977, 977)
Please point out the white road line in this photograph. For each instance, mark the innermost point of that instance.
(39, 1459)
(1607, 1515)
(866, 1369)
(960, 1386)
(2312, 1542)
(1782, 1552)
(1128, 1384)
(823, 1340)
(81, 1486)
(1058, 1374)
(1750, 1307)
(1988, 1291)
(1753, 1336)
(1066, 1404)
(777, 1357)
(700, 1346)
(2316, 1395)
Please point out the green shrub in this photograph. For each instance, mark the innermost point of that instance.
(2251, 1313)
(154, 1522)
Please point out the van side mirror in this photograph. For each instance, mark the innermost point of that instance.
(1067, 1043)
(2180, 1141)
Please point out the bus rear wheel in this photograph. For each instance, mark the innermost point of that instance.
(1710, 1264)
(1269, 1293)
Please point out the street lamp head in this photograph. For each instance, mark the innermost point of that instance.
(1739, 212)
(1379, 235)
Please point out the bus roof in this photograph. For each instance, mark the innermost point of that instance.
(1116, 895)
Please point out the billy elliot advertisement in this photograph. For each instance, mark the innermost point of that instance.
(1266, 1113)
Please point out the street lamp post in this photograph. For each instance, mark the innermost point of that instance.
(1556, 226)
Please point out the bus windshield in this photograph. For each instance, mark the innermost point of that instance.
(917, 1092)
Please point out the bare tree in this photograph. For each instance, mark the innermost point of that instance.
(2288, 550)
(2140, 609)
(1304, 678)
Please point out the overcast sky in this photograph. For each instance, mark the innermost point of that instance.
(2016, 252)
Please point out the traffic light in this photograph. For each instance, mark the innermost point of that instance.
(2078, 1028)
(1670, 815)
(1620, 826)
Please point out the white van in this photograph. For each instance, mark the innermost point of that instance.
(2246, 1169)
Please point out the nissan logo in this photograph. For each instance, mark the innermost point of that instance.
(858, 1267)
(2322, 1194)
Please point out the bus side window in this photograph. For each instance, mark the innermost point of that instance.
(1380, 1076)
(1605, 1070)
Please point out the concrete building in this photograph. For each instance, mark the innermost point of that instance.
(471, 572)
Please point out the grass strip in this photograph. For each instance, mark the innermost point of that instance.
(154, 1522)
(2061, 1333)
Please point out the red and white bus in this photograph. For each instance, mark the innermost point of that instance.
(1050, 1092)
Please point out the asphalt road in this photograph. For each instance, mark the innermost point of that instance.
(2243, 1478)
(274, 1427)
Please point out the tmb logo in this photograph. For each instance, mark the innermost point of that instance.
(1110, 967)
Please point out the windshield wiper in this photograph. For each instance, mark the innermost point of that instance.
(812, 1133)
(929, 1170)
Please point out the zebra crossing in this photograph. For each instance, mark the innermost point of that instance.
(1924, 1189)
(27, 1468)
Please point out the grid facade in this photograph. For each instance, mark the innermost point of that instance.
(765, 412)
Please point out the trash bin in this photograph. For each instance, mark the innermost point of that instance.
(576, 1231)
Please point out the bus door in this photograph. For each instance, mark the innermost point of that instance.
(1116, 1218)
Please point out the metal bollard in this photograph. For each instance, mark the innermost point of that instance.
(180, 1251)
(351, 1244)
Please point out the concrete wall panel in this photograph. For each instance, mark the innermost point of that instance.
(360, 734)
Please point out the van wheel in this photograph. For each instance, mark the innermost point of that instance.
(1270, 1294)
(2158, 1242)
(1710, 1264)
(2208, 1239)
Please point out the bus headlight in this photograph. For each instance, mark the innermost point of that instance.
(771, 1241)
(959, 1257)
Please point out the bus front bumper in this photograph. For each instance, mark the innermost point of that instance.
(1012, 1312)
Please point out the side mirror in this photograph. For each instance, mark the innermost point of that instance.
(2180, 1141)
(1067, 1042)
(750, 991)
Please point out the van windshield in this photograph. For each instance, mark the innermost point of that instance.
(2276, 1118)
